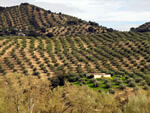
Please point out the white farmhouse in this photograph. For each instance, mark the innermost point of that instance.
(99, 75)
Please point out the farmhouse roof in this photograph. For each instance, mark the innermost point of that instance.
(97, 73)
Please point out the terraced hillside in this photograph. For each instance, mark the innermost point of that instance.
(116, 53)
(27, 17)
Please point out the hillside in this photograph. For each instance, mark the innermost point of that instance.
(27, 17)
(76, 47)
(115, 53)
(55, 63)
(142, 28)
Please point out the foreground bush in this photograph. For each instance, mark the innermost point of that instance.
(138, 104)
(28, 94)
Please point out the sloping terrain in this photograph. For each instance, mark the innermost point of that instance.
(26, 17)
(142, 28)
(115, 53)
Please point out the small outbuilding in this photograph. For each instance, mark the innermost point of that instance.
(99, 75)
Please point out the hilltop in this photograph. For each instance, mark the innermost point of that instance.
(142, 28)
(33, 20)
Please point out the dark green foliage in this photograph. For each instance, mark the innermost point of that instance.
(138, 79)
(13, 32)
(91, 76)
(122, 87)
(24, 3)
(71, 22)
(146, 87)
(96, 84)
(82, 80)
(33, 34)
(111, 91)
(132, 29)
(108, 85)
(118, 82)
(93, 23)
(92, 80)
(2, 8)
(55, 82)
(59, 80)
(2, 33)
(34, 23)
(43, 30)
(147, 79)
(91, 29)
(110, 30)
(49, 11)
(49, 34)
(73, 79)
(36, 73)
(132, 84)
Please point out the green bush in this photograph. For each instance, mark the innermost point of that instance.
(138, 79)
(146, 87)
(132, 84)
(49, 35)
(111, 91)
(118, 82)
(73, 79)
(92, 80)
(96, 84)
(108, 85)
(147, 79)
(91, 76)
(122, 86)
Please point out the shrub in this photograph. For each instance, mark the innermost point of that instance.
(2, 8)
(73, 79)
(96, 84)
(122, 86)
(132, 84)
(91, 76)
(55, 82)
(142, 83)
(43, 30)
(108, 85)
(92, 80)
(129, 80)
(38, 9)
(91, 29)
(93, 23)
(146, 87)
(36, 73)
(137, 80)
(24, 3)
(106, 81)
(33, 33)
(112, 91)
(110, 30)
(147, 79)
(135, 89)
(49, 35)
(71, 22)
(49, 11)
(137, 104)
(100, 91)
(118, 82)
(82, 81)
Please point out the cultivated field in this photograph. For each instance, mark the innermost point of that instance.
(114, 53)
